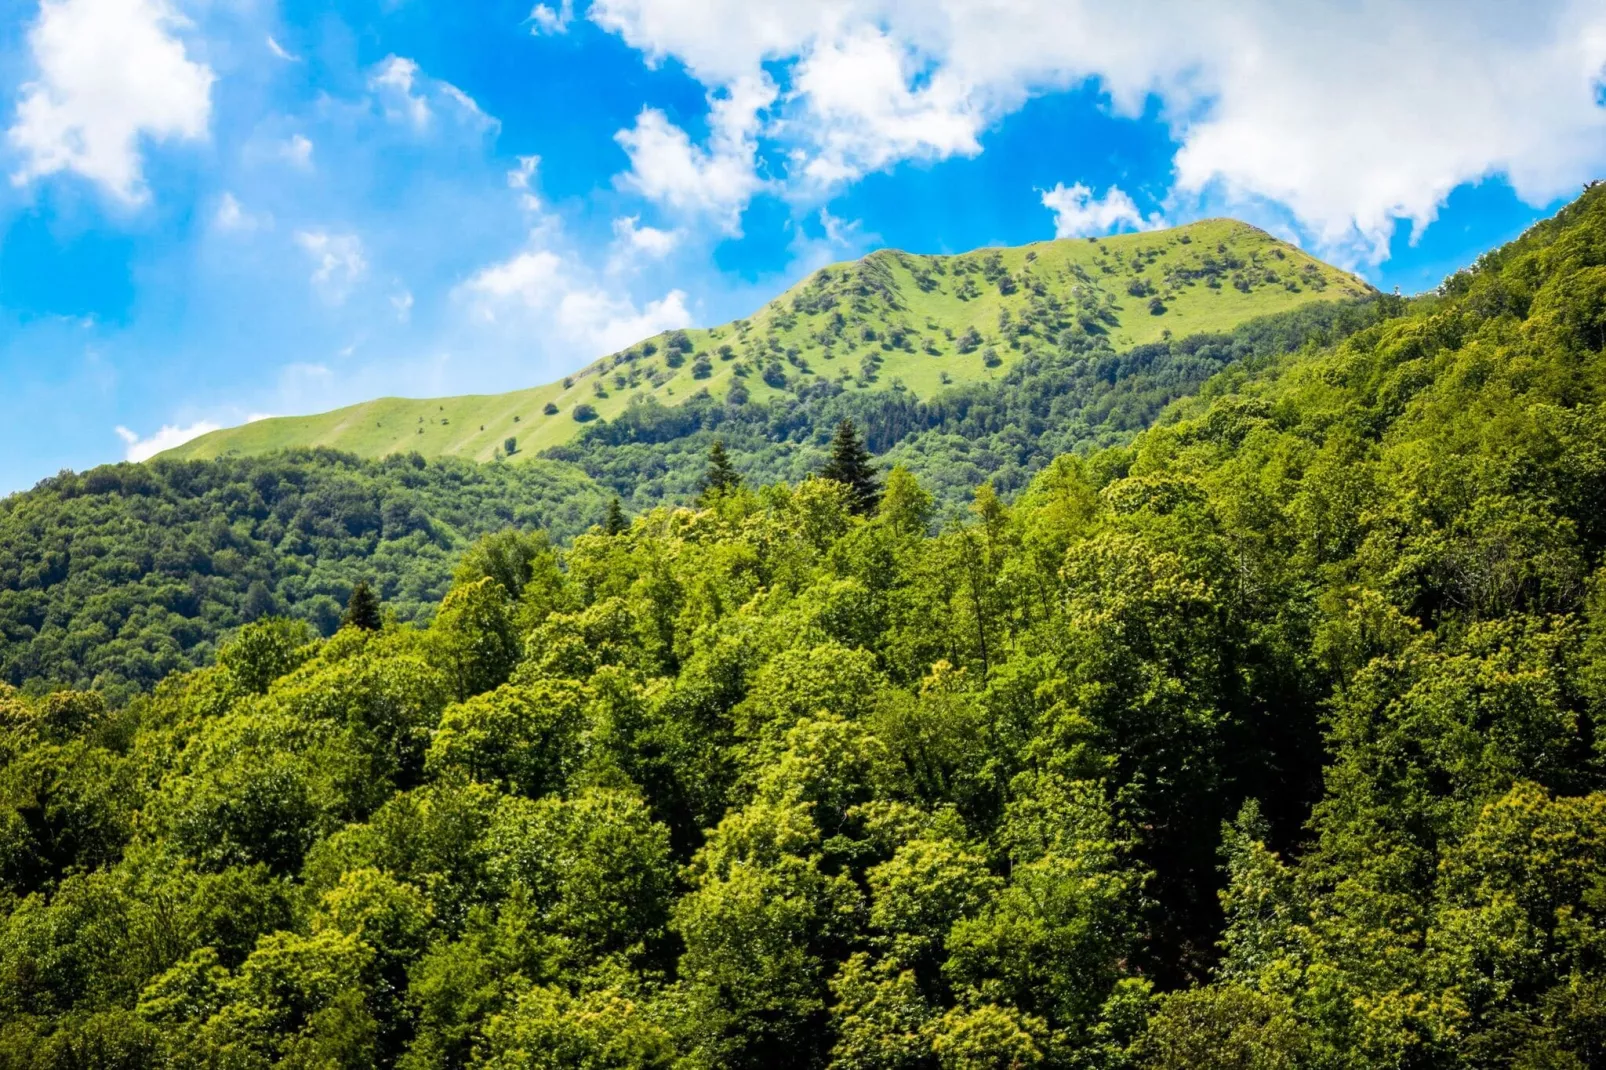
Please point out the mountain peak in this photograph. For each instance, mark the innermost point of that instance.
(914, 321)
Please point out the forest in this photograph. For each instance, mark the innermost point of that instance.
(119, 576)
(1268, 738)
(114, 578)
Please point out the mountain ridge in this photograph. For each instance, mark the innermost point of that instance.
(890, 319)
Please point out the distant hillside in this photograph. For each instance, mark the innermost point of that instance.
(115, 577)
(889, 321)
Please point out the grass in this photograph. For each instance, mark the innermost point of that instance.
(888, 318)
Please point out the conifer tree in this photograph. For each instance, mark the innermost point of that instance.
(721, 477)
(362, 609)
(850, 466)
(616, 523)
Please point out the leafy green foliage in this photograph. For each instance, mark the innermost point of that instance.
(1072, 398)
(122, 575)
(1270, 739)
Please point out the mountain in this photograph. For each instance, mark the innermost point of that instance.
(890, 320)
(1272, 736)
(119, 576)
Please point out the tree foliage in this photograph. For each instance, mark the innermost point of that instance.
(1269, 740)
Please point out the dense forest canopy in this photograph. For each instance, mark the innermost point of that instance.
(121, 575)
(1270, 739)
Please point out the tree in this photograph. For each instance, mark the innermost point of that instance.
(850, 466)
(616, 523)
(510, 445)
(721, 477)
(362, 609)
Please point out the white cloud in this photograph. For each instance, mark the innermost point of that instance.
(281, 52)
(522, 178)
(540, 288)
(717, 181)
(544, 20)
(1350, 116)
(650, 242)
(338, 262)
(402, 302)
(404, 94)
(1077, 213)
(392, 81)
(258, 417)
(297, 151)
(170, 436)
(233, 218)
(110, 73)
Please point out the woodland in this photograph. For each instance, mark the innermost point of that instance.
(1268, 735)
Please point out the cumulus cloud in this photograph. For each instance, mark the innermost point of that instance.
(716, 181)
(297, 151)
(539, 286)
(1077, 213)
(633, 239)
(233, 218)
(521, 179)
(338, 262)
(405, 95)
(110, 73)
(545, 20)
(169, 437)
(1350, 116)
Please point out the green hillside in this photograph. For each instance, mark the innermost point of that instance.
(892, 318)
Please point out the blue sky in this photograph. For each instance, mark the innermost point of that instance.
(221, 209)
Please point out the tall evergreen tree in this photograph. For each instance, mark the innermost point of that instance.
(850, 465)
(721, 477)
(362, 609)
(616, 523)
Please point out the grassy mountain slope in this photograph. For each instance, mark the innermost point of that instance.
(922, 322)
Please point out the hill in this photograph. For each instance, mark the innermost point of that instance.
(1273, 737)
(890, 320)
(117, 577)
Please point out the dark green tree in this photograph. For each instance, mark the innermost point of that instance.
(720, 478)
(850, 465)
(510, 445)
(362, 609)
(616, 523)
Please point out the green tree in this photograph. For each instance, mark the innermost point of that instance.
(849, 464)
(720, 478)
(615, 522)
(362, 609)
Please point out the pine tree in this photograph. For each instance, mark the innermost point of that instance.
(720, 478)
(850, 465)
(362, 609)
(616, 522)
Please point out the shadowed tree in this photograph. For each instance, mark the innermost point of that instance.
(362, 609)
(720, 478)
(615, 524)
(850, 466)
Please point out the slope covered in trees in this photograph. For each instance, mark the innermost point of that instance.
(119, 576)
(892, 319)
(1270, 740)
(1072, 398)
